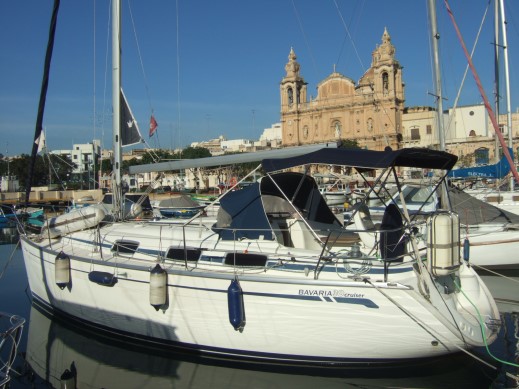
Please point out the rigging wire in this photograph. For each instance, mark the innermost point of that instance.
(349, 36)
(300, 23)
(146, 85)
(104, 105)
(456, 100)
(178, 77)
(94, 93)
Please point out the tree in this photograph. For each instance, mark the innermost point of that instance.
(349, 144)
(195, 152)
(47, 169)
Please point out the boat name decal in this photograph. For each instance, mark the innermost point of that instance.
(329, 293)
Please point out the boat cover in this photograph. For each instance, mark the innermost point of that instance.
(473, 211)
(181, 201)
(364, 160)
(245, 213)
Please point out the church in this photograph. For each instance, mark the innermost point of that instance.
(369, 112)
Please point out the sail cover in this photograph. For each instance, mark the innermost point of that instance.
(495, 171)
(130, 134)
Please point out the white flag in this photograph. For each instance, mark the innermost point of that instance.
(40, 141)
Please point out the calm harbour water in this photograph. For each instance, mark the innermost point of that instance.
(50, 350)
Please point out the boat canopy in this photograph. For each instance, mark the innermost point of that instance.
(246, 213)
(364, 160)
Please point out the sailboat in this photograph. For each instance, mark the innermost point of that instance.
(489, 233)
(500, 190)
(277, 280)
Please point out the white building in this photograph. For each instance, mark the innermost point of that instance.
(467, 122)
(83, 156)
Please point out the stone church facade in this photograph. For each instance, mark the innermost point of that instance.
(369, 111)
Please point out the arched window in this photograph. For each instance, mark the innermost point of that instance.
(369, 124)
(385, 83)
(338, 129)
(290, 94)
(472, 133)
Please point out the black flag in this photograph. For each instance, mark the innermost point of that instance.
(130, 134)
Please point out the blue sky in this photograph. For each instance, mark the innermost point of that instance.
(218, 71)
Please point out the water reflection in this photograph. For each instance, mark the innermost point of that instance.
(8, 234)
(65, 357)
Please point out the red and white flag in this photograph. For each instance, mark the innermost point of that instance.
(153, 125)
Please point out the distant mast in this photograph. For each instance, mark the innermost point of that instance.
(507, 85)
(435, 36)
(117, 200)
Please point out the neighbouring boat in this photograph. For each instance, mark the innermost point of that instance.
(179, 207)
(277, 280)
(9, 216)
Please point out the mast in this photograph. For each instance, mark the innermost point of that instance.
(507, 85)
(435, 36)
(116, 103)
(491, 113)
(496, 73)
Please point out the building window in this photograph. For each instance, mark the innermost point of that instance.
(471, 113)
(290, 94)
(415, 134)
(429, 129)
(472, 133)
(481, 156)
(337, 127)
(385, 83)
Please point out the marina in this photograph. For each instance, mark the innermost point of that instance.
(340, 250)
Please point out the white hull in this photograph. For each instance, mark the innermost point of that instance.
(335, 198)
(506, 200)
(493, 249)
(286, 309)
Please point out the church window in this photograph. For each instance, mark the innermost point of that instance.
(290, 93)
(472, 133)
(369, 124)
(385, 83)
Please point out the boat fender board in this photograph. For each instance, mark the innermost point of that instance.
(236, 305)
(102, 278)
